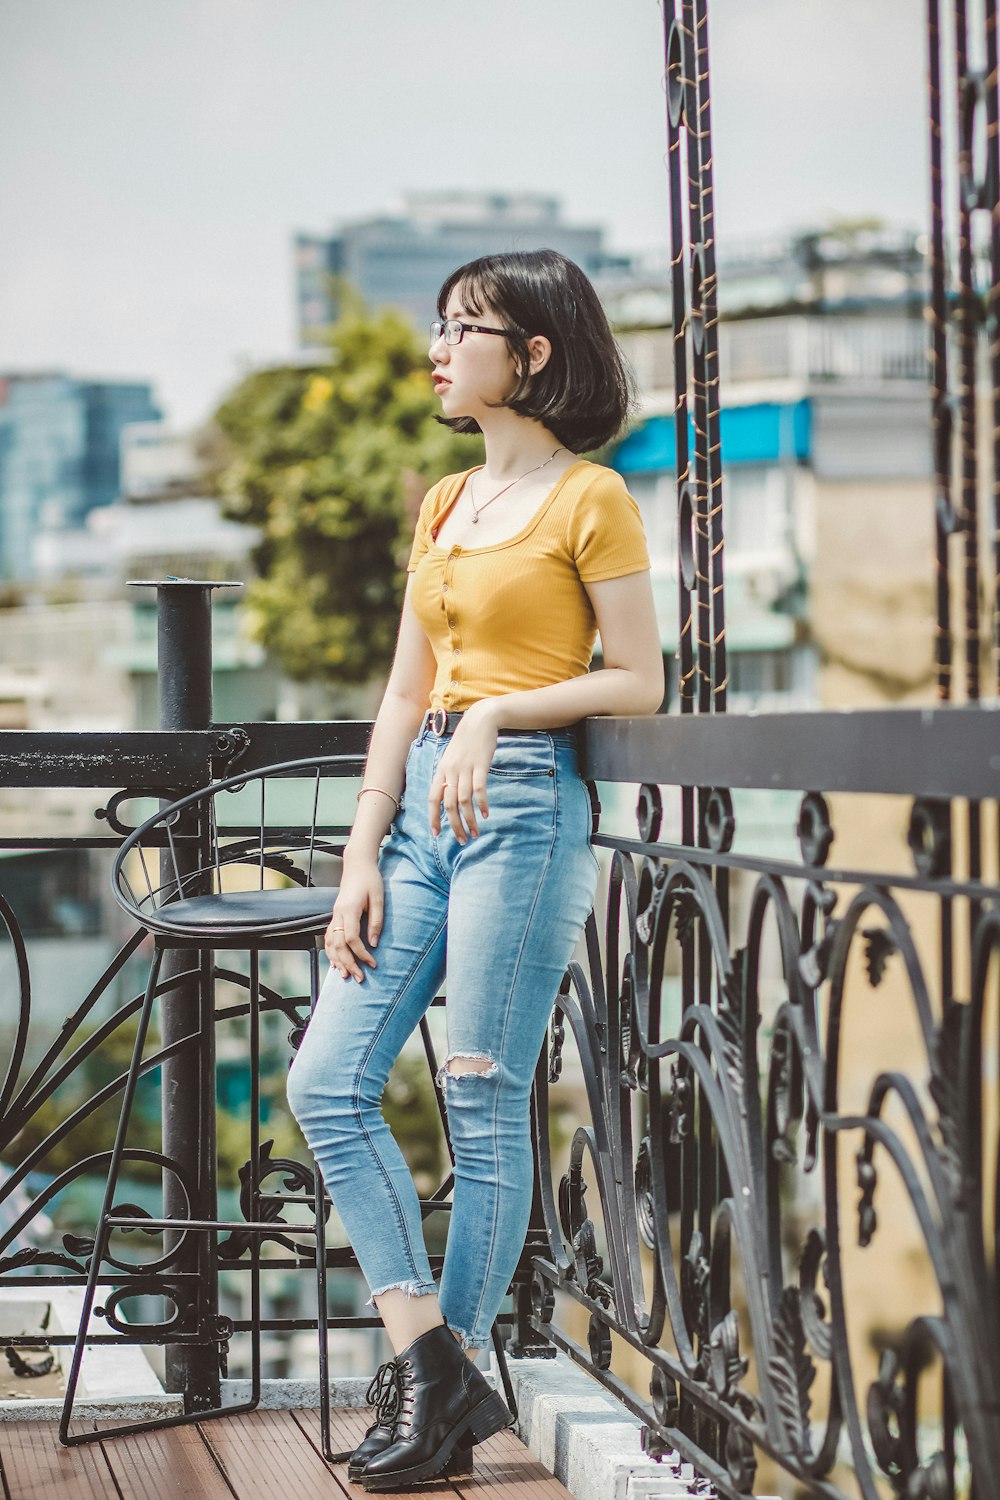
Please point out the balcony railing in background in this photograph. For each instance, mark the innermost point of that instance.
(798, 348)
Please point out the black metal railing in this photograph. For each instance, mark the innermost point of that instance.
(700, 1120)
(789, 1065)
(744, 1066)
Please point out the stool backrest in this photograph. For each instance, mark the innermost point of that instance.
(197, 846)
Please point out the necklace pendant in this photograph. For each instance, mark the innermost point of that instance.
(475, 520)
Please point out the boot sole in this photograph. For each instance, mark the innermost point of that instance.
(490, 1416)
(456, 1464)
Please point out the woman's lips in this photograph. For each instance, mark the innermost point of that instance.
(440, 382)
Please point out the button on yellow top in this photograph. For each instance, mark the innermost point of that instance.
(520, 606)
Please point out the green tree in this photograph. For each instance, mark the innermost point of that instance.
(331, 461)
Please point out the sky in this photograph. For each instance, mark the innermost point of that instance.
(157, 156)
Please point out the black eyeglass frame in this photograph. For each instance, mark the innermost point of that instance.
(464, 328)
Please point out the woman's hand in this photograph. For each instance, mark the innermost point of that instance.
(361, 892)
(460, 779)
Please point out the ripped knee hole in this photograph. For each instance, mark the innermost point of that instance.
(467, 1064)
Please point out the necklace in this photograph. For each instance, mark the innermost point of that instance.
(477, 510)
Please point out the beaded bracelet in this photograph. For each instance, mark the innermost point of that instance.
(384, 794)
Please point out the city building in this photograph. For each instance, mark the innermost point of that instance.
(160, 524)
(825, 443)
(824, 421)
(59, 454)
(843, 268)
(400, 260)
(80, 651)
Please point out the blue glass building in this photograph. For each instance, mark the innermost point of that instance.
(59, 454)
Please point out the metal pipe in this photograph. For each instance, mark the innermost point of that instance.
(184, 673)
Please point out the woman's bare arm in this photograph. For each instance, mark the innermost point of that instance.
(403, 705)
(361, 898)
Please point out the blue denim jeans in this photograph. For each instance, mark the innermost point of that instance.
(497, 919)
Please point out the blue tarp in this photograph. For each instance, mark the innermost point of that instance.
(765, 432)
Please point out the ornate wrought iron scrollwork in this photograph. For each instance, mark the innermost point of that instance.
(296, 1177)
(182, 1318)
(557, 1035)
(109, 812)
(230, 747)
(947, 1071)
(709, 1091)
(814, 829)
(718, 821)
(792, 1372)
(649, 812)
(929, 836)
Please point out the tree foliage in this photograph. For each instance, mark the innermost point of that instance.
(331, 462)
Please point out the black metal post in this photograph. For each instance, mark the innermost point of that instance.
(184, 671)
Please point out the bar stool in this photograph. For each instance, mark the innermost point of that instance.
(188, 908)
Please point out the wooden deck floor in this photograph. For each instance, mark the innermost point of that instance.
(260, 1455)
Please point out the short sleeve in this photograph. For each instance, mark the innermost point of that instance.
(606, 534)
(421, 535)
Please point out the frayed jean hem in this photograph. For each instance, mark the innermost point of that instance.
(411, 1288)
(465, 1340)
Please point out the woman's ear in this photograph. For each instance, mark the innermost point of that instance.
(539, 353)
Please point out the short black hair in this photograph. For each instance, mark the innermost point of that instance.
(586, 391)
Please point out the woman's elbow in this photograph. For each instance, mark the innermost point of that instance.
(650, 686)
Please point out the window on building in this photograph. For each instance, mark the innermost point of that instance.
(757, 515)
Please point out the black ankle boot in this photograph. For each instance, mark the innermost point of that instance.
(443, 1398)
(460, 1462)
(383, 1396)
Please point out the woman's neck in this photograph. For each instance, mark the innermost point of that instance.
(515, 444)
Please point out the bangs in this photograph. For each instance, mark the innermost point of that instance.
(479, 288)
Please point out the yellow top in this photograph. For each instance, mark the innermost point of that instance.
(516, 615)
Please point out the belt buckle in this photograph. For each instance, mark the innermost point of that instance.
(439, 721)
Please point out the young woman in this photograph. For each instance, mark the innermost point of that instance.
(487, 876)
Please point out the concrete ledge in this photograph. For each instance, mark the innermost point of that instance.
(107, 1369)
(140, 1409)
(275, 1395)
(348, 1390)
(589, 1441)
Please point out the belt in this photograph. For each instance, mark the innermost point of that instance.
(440, 722)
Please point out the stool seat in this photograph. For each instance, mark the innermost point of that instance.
(298, 906)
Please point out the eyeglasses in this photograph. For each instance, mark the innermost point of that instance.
(453, 330)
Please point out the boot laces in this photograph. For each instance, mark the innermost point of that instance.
(405, 1383)
(383, 1392)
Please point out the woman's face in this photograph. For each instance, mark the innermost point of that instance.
(478, 370)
